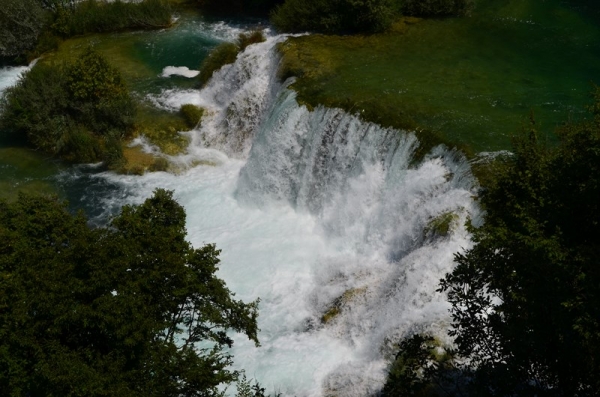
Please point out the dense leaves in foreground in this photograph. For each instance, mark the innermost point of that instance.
(78, 111)
(526, 298)
(126, 310)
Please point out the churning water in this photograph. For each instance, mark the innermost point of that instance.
(321, 216)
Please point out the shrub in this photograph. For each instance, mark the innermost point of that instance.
(428, 8)
(99, 94)
(93, 16)
(335, 16)
(253, 7)
(246, 39)
(224, 54)
(106, 307)
(78, 112)
(192, 114)
(21, 23)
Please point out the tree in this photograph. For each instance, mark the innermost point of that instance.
(436, 8)
(526, 298)
(21, 23)
(335, 16)
(78, 111)
(125, 310)
(99, 96)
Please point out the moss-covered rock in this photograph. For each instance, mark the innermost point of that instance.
(340, 302)
(441, 225)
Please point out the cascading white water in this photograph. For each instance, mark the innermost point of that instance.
(320, 215)
(324, 218)
(235, 100)
(11, 74)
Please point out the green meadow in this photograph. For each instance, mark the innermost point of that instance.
(471, 81)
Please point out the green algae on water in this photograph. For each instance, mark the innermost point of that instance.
(24, 170)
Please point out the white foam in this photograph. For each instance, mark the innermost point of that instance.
(10, 75)
(179, 71)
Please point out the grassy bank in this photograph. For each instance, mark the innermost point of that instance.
(469, 80)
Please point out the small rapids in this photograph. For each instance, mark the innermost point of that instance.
(324, 217)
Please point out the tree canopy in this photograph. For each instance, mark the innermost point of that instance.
(78, 111)
(131, 309)
(526, 298)
(21, 23)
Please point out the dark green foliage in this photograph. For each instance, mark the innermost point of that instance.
(247, 7)
(78, 112)
(246, 389)
(94, 16)
(526, 298)
(335, 16)
(433, 8)
(99, 94)
(192, 114)
(404, 378)
(116, 311)
(246, 39)
(55, 5)
(224, 54)
(227, 53)
(21, 23)
(422, 368)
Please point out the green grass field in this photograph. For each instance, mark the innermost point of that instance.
(471, 81)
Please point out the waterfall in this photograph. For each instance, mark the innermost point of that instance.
(325, 218)
(9, 75)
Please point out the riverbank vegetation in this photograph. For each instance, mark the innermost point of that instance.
(94, 16)
(30, 28)
(338, 16)
(526, 298)
(79, 111)
(21, 23)
(468, 81)
(355, 73)
(362, 16)
(122, 310)
(226, 53)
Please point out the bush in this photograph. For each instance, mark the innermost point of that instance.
(99, 94)
(78, 112)
(252, 7)
(335, 16)
(131, 309)
(526, 297)
(246, 39)
(227, 53)
(224, 54)
(93, 16)
(429, 8)
(21, 23)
